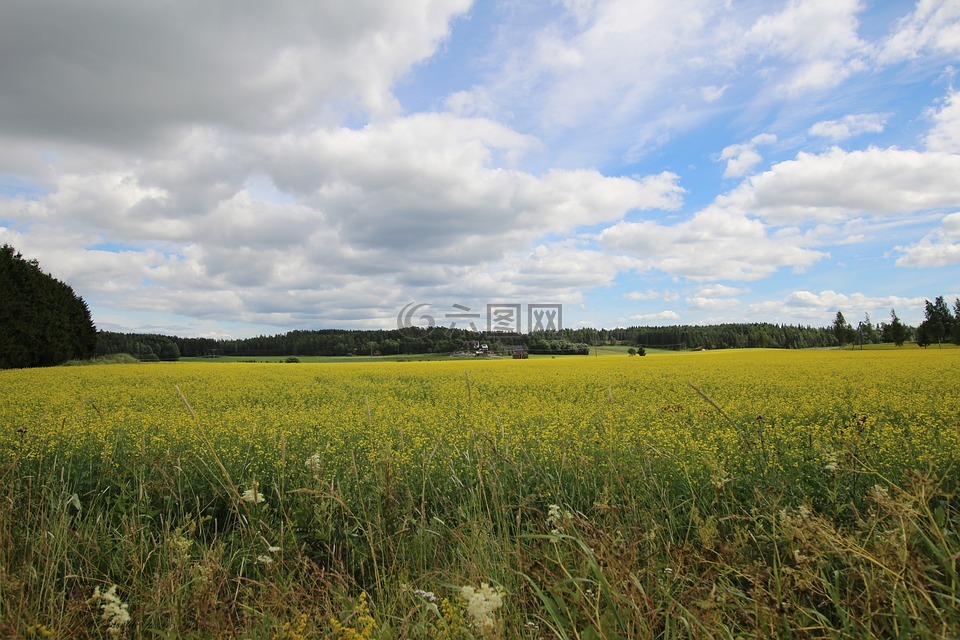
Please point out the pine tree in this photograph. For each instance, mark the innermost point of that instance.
(42, 321)
(898, 332)
(841, 329)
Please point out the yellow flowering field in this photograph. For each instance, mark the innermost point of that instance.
(902, 405)
(756, 493)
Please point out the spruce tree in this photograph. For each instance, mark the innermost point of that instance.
(42, 321)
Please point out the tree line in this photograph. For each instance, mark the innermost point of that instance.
(415, 340)
(939, 325)
(42, 321)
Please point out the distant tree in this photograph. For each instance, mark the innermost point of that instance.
(868, 332)
(42, 321)
(631, 351)
(898, 332)
(390, 347)
(956, 321)
(841, 329)
(938, 322)
(922, 335)
(169, 350)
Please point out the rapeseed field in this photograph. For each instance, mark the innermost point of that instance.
(755, 493)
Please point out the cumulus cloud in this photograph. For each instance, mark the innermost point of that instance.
(718, 290)
(716, 244)
(427, 201)
(712, 304)
(849, 126)
(650, 294)
(937, 249)
(819, 308)
(934, 25)
(668, 316)
(743, 157)
(945, 135)
(818, 36)
(837, 185)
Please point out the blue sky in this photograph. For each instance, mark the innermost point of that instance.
(236, 169)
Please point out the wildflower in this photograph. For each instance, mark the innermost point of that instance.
(482, 603)
(557, 518)
(115, 611)
(426, 595)
(430, 598)
(264, 559)
(364, 624)
(831, 462)
(273, 549)
(314, 463)
(252, 495)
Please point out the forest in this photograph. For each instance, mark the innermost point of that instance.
(941, 324)
(414, 340)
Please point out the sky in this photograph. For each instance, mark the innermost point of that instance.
(234, 168)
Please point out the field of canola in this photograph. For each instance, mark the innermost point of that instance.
(898, 408)
(709, 494)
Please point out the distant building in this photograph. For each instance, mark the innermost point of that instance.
(518, 351)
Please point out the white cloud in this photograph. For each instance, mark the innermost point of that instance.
(424, 202)
(849, 126)
(712, 304)
(718, 290)
(712, 93)
(716, 244)
(650, 294)
(668, 316)
(819, 309)
(937, 249)
(945, 135)
(934, 25)
(839, 184)
(743, 157)
(818, 36)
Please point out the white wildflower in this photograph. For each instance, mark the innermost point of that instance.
(115, 611)
(273, 549)
(831, 462)
(481, 605)
(429, 596)
(558, 518)
(314, 463)
(264, 559)
(252, 495)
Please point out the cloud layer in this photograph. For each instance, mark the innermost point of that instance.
(309, 164)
